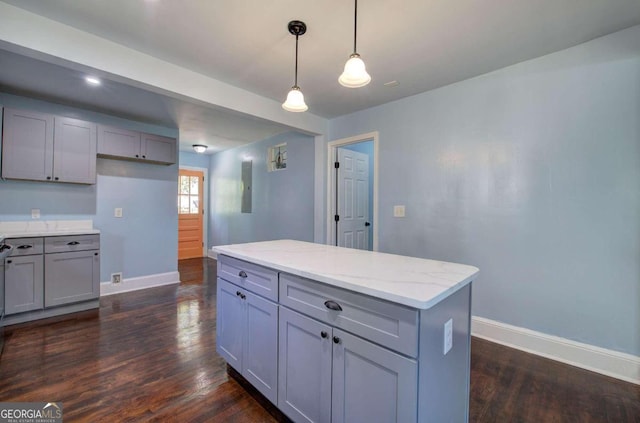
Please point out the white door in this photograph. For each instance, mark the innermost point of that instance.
(353, 199)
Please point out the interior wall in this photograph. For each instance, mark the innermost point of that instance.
(144, 241)
(531, 173)
(186, 158)
(283, 200)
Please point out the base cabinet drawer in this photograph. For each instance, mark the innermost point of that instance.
(328, 375)
(255, 278)
(23, 284)
(247, 336)
(71, 277)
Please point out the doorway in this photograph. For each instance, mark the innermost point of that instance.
(190, 213)
(352, 190)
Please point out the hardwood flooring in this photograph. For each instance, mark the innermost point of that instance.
(150, 356)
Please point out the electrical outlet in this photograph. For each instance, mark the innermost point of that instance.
(116, 277)
(35, 213)
(448, 336)
(117, 212)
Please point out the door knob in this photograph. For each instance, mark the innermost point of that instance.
(367, 224)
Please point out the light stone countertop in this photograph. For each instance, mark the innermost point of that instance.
(415, 282)
(37, 228)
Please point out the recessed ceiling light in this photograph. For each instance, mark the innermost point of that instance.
(393, 83)
(92, 80)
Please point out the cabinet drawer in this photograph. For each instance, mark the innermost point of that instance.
(64, 244)
(25, 246)
(391, 325)
(257, 279)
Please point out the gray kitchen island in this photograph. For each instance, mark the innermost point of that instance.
(331, 334)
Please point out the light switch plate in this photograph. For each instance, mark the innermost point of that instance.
(448, 336)
(398, 211)
(117, 212)
(35, 213)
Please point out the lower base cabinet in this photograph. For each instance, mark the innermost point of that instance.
(328, 375)
(247, 336)
(71, 277)
(23, 283)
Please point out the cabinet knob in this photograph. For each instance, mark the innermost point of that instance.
(95, 254)
(332, 305)
(144, 157)
(243, 296)
(9, 261)
(137, 156)
(324, 334)
(336, 340)
(242, 274)
(238, 293)
(48, 178)
(56, 178)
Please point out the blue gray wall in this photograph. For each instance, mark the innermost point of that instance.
(366, 147)
(283, 202)
(194, 159)
(144, 241)
(531, 173)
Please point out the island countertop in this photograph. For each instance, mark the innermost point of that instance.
(415, 282)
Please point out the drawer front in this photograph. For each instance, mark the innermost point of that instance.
(391, 325)
(257, 279)
(65, 244)
(25, 246)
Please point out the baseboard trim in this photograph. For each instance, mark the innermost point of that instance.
(212, 254)
(600, 360)
(141, 282)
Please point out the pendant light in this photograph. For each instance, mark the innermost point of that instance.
(355, 74)
(295, 98)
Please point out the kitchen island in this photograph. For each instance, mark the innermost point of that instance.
(331, 334)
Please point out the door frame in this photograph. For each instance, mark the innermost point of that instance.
(205, 204)
(332, 151)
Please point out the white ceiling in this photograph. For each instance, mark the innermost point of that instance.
(422, 44)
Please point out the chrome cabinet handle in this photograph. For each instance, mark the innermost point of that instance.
(332, 305)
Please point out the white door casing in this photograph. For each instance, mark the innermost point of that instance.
(353, 199)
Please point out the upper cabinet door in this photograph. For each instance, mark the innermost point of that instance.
(158, 149)
(116, 142)
(74, 151)
(27, 146)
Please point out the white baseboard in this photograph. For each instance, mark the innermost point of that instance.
(600, 360)
(141, 282)
(212, 254)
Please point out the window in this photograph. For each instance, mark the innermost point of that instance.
(277, 159)
(188, 200)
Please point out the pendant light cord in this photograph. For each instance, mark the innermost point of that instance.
(296, 76)
(355, 27)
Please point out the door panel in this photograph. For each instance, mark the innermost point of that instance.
(230, 325)
(71, 277)
(75, 151)
(23, 284)
(353, 199)
(304, 390)
(190, 213)
(372, 384)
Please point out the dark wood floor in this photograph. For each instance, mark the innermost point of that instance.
(150, 356)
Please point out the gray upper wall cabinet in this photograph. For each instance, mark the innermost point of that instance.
(122, 144)
(42, 147)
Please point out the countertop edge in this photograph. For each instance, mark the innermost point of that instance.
(380, 294)
(9, 235)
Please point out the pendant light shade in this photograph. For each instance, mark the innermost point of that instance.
(355, 73)
(295, 101)
(295, 98)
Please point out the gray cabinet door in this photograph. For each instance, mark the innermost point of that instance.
(74, 158)
(260, 359)
(1, 291)
(23, 284)
(371, 383)
(158, 149)
(304, 368)
(71, 277)
(27, 145)
(116, 142)
(230, 324)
